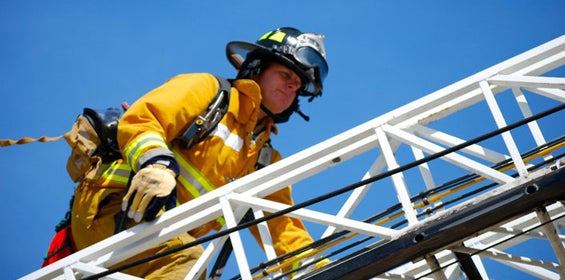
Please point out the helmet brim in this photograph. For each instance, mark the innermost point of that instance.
(237, 51)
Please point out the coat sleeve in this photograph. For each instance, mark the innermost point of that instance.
(155, 119)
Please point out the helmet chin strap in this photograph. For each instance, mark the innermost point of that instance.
(270, 114)
(304, 116)
(284, 116)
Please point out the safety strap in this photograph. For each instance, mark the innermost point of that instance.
(27, 140)
(265, 155)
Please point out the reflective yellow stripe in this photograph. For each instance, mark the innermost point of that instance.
(117, 173)
(103, 168)
(193, 191)
(193, 181)
(143, 143)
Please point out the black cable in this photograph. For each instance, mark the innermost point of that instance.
(331, 194)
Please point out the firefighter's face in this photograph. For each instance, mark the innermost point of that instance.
(278, 85)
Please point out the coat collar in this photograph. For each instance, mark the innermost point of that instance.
(247, 104)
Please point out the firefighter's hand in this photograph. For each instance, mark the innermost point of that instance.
(308, 261)
(152, 183)
(311, 263)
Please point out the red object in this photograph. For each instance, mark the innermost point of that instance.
(62, 245)
(125, 106)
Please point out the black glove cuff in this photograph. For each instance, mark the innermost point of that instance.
(169, 162)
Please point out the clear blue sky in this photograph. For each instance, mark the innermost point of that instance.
(57, 57)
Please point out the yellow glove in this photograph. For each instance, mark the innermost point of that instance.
(154, 181)
(322, 263)
(307, 261)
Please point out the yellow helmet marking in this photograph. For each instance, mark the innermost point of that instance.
(277, 36)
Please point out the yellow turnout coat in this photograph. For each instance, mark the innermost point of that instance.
(148, 129)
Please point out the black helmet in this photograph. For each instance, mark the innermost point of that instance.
(302, 52)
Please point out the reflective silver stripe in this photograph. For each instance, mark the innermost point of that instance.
(190, 183)
(151, 154)
(230, 139)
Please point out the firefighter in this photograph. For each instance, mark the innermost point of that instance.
(272, 73)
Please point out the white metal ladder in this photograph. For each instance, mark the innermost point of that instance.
(416, 128)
